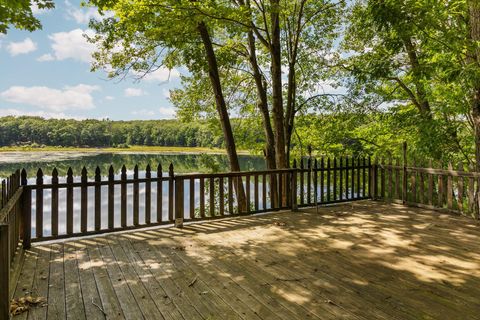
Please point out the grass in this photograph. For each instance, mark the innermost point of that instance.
(129, 149)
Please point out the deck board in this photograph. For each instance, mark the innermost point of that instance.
(362, 260)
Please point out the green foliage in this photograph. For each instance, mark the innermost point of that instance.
(104, 133)
(18, 13)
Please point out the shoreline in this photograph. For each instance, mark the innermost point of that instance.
(133, 149)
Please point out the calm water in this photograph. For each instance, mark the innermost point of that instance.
(183, 163)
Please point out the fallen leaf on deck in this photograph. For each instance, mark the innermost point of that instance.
(20, 305)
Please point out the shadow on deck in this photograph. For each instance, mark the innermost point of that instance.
(363, 260)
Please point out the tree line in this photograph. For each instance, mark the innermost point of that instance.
(15, 131)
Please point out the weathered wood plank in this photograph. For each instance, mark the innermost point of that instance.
(167, 309)
(88, 285)
(41, 278)
(129, 305)
(110, 304)
(73, 291)
(56, 281)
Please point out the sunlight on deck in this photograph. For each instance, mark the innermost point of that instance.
(354, 261)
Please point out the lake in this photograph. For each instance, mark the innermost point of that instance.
(183, 162)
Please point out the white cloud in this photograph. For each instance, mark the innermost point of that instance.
(134, 92)
(162, 74)
(143, 112)
(109, 98)
(68, 98)
(36, 10)
(72, 45)
(166, 93)
(45, 57)
(83, 15)
(167, 112)
(22, 47)
(43, 114)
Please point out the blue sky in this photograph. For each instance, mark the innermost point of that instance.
(47, 73)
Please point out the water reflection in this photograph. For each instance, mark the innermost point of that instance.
(183, 163)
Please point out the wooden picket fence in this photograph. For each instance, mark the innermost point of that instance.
(11, 224)
(443, 189)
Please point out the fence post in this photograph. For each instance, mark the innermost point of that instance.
(26, 212)
(404, 182)
(4, 273)
(179, 204)
(171, 191)
(293, 187)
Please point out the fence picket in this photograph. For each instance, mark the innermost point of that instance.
(69, 201)
(83, 201)
(54, 221)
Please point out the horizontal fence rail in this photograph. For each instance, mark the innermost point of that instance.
(449, 189)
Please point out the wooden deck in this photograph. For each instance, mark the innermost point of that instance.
(364, 260)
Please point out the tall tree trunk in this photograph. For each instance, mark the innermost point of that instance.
(276, 72)
(290, 114)
(222, 110)
(262, 103)
(474, 58)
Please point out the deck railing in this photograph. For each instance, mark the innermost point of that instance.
(11, 225)
(61, 207)
(438, 188)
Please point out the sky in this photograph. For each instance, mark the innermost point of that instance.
(47, 73)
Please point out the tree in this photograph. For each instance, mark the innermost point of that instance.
(409, 53)
(19, 14)
(259, 37)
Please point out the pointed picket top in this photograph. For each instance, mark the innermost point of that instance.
(111, 173)
(123, 176)
(39, 176)
(24, 177)
(98, 175)
(54, 176)
(294, 163)
(315, 164)
(84, 175)
(322, 162)
(135, 172)
(70, 175)
(334, 162)
(341, 161)
(148, 172)
(170, 170)
(301, 163)
(159, 170)
(328, 162)
(460, 166)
